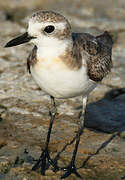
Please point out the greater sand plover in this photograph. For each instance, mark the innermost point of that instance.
(64, 64)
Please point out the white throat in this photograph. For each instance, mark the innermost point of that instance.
(52, 47)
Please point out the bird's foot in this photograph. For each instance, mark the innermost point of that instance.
(55, 165)
(70, 169)
(43, 162)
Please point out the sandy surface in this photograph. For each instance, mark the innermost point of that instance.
(24, 107)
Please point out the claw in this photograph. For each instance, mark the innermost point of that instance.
(71, 169)
(42, 162)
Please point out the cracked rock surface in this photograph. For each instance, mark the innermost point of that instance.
(24, 108)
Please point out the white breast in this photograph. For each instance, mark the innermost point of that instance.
(59, 81)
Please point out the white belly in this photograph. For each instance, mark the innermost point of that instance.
(61, 82)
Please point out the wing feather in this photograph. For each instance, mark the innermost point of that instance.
(96, 51)
(31, 60)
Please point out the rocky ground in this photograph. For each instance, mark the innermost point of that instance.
(24, 107)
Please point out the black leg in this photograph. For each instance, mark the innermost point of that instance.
(71, 168)
(45, 159)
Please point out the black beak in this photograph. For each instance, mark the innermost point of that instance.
(19, 40)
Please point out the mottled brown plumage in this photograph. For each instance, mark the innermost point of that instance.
(97, 52)
(48, 16)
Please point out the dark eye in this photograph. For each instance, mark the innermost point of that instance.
(49, 29)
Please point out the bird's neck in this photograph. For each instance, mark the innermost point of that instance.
(53, 48)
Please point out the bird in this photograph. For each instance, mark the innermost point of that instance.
(64, 64)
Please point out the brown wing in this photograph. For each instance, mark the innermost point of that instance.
(31, 58)
(97, 52)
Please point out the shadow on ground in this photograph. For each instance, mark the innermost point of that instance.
(108, 114)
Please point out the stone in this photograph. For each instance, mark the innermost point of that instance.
(24, 108)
